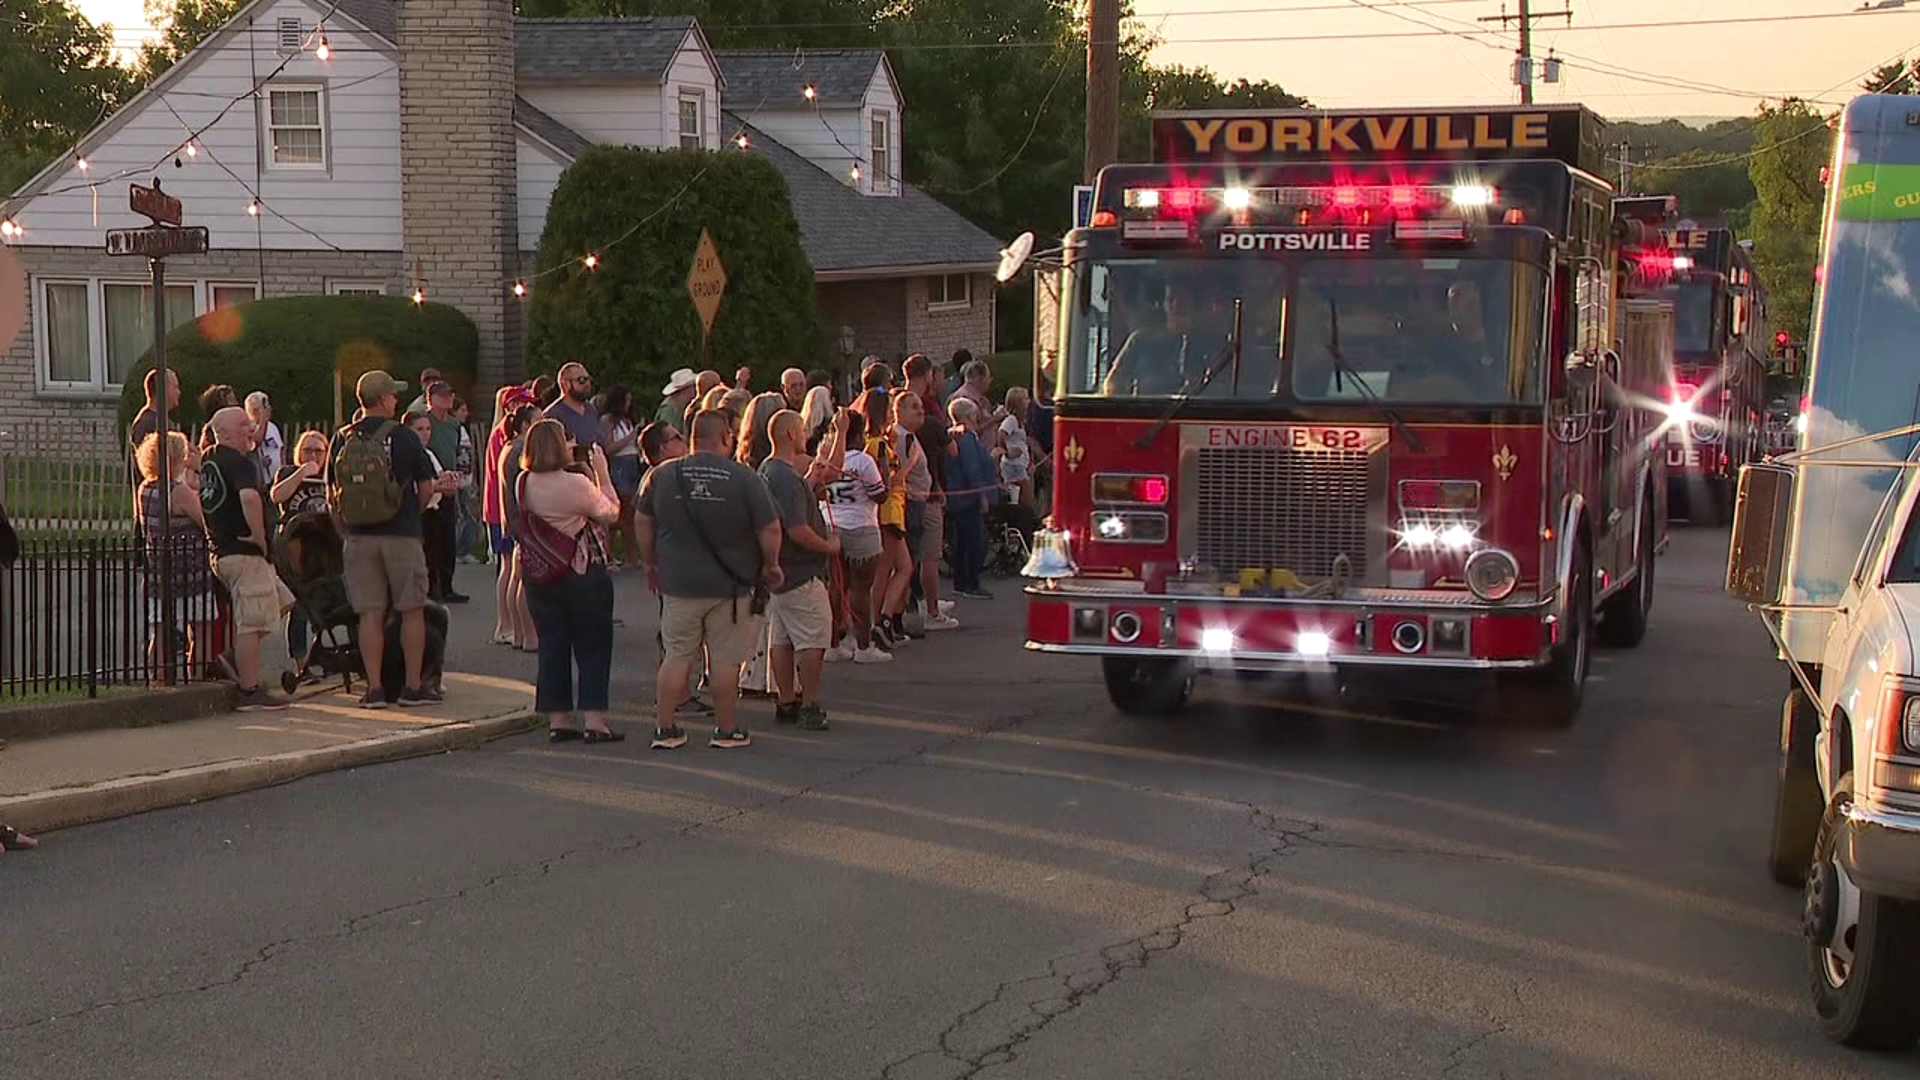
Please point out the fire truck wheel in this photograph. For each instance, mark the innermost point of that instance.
(1624, 619)
(1796, 802)
(1549, 697)
(1863, 951)
(1147, 687)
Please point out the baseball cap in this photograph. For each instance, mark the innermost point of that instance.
(375, 385)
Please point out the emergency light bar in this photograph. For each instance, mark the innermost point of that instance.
(1181, 200)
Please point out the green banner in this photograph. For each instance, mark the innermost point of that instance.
(1879, 192)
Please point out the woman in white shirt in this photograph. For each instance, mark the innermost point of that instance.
(1016, 460)
(444, 483)
(852, 505)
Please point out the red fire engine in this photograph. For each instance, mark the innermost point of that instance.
(1345, 390)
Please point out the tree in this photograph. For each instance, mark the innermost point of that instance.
(57, 79)
(1178, 87)
(1707, 183)
(629, 317)
(1893, 77)
(183, 24)
(1792, 142)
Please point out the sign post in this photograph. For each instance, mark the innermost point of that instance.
(706, 284)
(163, 238)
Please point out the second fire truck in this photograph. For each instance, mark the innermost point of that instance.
(1354, 390)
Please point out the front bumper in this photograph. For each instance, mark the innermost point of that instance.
(1880, 851)
(1361, 628)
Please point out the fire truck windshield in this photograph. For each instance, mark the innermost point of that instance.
(1692, 316)
(1414, 328)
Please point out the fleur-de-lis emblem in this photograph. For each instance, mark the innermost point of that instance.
(1074, 453)
(1504, 461)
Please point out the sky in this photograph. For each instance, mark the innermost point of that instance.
(1335, 52)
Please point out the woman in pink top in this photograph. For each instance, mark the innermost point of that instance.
(575, 614)
(493, 510)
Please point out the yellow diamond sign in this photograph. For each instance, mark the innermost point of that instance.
(706, 282)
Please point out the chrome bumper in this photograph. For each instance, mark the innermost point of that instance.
(1286, 662)
(1880, 850)
(1394, 601)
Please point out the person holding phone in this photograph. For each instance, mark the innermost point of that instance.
(567, 487)
(437, 526)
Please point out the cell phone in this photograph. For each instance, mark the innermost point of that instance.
(583, 455)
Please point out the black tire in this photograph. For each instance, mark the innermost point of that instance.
(1797, 806)
(1147, 687)
(289, 681)
(1623, 623)
(1549, 697)
(1871, 1006)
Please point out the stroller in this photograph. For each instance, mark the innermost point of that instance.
(309, 558)
(1010, 529)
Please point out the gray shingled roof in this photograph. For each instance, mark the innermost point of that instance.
(843, 230)
(557, 50)
(838, 76)
(556, 134)
(561, 50)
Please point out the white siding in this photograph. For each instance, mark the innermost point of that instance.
(619, 115)
(539, 172)
(354, 203)
(814, 134)
(881, 99)
(692, 72)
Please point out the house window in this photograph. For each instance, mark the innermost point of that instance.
(91, 332)
(949, 292)
(356, 288)
(692, 105)
(882, 152)
(296, 128)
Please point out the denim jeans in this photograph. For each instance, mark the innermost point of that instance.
(969, 548)
(297, 634)
(575, 620)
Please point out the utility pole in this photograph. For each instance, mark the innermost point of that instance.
(1523, 60)
(1626, 153)
(1103, 85)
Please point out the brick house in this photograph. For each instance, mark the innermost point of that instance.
(422, 151)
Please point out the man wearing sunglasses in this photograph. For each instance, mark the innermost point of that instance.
(574, 408)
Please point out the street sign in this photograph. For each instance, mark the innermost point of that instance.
(158, 241)
(1082, 205)
(154, 204)
(706, 282)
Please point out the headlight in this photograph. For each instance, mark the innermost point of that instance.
(1681, 412)
(1492, 574)
(1456, 537)
(1313, 643)
(1216, 639)
(1910, 725)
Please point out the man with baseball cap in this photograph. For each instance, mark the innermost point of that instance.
(385, 565)
(678, 394)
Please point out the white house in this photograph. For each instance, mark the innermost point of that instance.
(394, 145)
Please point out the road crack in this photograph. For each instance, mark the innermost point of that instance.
(991, 1032)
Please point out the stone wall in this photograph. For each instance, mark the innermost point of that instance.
(939, 333)
(890, 318)
(24, 404)
(458, 167)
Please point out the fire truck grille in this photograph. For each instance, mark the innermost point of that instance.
(1282, 509)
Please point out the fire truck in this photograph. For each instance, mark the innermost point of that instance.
(1717, 397)
(1353, 392)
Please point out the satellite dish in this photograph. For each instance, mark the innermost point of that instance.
(1014, 257)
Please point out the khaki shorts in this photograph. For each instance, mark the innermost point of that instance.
(933, 535)
(728, 628)
(802, 617)
(259, 596)
(385, 572)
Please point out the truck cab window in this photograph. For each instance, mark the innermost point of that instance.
(1153, 328)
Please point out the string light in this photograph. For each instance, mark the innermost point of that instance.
(323, 52)
(253, 208)
(809, 92)
(82, 164)
(591, 260)
(856, 174)
(741, 140)
(192, 150)
(519, 288)
(10, 228)
(419, 297)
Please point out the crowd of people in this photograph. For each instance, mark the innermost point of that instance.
(781, 530)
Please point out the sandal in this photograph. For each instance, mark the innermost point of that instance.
(593, 737)
(562, 734)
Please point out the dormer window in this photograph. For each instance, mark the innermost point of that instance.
(882, 154)
(692, 113)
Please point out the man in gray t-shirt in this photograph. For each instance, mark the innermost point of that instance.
(800, 612)
(709, 532)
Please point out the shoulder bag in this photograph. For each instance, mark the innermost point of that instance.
(546, 553)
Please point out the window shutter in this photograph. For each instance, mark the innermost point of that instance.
(291, 34)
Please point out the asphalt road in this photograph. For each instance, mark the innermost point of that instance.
(981, 870)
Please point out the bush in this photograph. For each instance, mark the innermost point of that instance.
(630, 320)
(291, 348)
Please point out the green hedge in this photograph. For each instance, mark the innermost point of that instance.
(291, 348)
(630, 320)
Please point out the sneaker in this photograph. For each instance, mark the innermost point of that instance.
(946, 607)
(259, 699)
(974, 594)
(840, 653)
(374, 698)
(787, 712)
(424, 696)
(456, 598)
(812, 718)
(942, 622)
(872, 655)
(672, 738)
(730, 740)
(694, 706)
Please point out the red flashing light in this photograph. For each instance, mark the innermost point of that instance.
(1782, 339)
(1180, 198)
(1346, 196)
(1151, 489)
(1104, 219)
(1401, 198)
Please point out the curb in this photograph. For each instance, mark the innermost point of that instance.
(142, 708)
(125, 796)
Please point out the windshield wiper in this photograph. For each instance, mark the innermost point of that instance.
(1343, 371)
(1229, 351)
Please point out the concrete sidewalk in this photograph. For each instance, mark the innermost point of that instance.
(65, 780)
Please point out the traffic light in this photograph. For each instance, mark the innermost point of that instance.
(1782, 338)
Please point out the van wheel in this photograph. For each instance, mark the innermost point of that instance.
(1797, 807)
(1623, 621)
(1863, 951)
(1550, 696)
(1147, 687)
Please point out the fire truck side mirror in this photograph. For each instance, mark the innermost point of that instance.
(1762, 525)
(1583, 370)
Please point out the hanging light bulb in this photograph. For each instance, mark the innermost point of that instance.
(192, 150)
(323, 51)
(10, 228)
(591, 261)
(419, 296)
(519, 288)
(253, 208)
(810, 93)
(740, 140)
(82, 164)
(856, 174)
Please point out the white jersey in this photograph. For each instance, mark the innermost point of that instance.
(854, 497)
